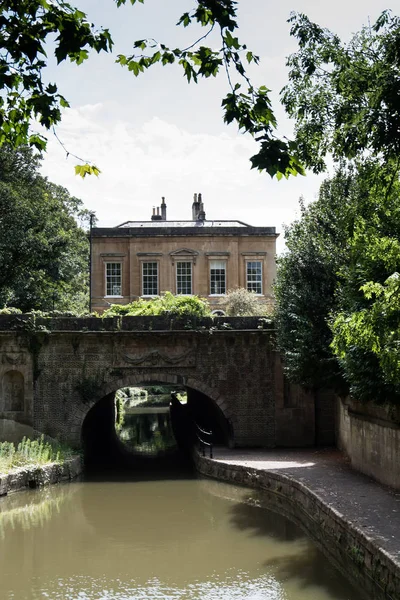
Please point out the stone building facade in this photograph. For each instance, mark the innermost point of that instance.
(142, 259)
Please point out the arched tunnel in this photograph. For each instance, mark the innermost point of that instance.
(105, 450)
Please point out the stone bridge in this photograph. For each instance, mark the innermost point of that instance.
(54, 370)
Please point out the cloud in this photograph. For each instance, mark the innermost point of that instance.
(139, 164)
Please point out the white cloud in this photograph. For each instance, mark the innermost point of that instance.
(140, 164)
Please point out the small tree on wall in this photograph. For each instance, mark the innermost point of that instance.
(241, 303)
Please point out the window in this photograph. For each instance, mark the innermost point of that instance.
(254, 276)
(113, 279)
(149, 279)
(184, 278)
(217, 277)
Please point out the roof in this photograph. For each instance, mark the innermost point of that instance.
(163, 224)
(160, 228)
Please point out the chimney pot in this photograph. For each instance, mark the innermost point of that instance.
(163, 209)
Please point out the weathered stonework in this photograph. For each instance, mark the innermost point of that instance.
(74, 363)
(16, 382)
(370, 436)
(21, 478)
(346, 545)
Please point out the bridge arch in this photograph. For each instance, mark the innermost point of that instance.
(143, 379)
(198, 392)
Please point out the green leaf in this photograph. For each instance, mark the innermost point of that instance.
(86, 169)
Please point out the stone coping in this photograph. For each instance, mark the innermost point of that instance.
(28, 323)
(32, 477)
(360, 555)
(169, 230)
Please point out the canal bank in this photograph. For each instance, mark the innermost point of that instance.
(21, 478)
(355, 520)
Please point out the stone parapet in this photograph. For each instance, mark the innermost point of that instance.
(26, 322)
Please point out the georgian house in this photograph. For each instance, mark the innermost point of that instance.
(142, 259)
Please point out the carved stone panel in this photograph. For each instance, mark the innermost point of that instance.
(13, 358)
(13, 392)
(158, 358)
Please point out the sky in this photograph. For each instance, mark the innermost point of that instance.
(155, 135)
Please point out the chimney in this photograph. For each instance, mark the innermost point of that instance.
(201, 216)
(163, 209)
(156, 217)
(195, 208)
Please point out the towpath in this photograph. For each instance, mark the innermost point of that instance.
(370, 506)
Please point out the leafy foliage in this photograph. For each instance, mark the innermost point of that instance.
(366, 326)
(307, 280)
(83, 170)
(240, 302)
(345, 97)
(27, 25)
(10, 310)
(167, 304)
(248, 106)
(43, 251)
(25, 28)
(374, 330)
(31, 453)
(338, 315)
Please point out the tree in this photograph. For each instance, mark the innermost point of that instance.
(26, 26)
(43, 251)
(345, 98)
(307, 279)
(338, 314)
(366, 325)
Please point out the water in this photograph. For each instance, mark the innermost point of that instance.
(157, 539)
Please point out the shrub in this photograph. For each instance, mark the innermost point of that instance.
(162, 305)
(10, 310)
(241, 303)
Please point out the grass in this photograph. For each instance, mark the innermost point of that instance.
(31, 453)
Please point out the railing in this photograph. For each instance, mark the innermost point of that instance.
(205, 439)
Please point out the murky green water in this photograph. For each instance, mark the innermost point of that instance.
(168, 539)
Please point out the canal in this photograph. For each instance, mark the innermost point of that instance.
(159, 537)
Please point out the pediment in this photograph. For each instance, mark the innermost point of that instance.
(184, 252)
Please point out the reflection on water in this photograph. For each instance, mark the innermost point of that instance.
(148, 433)
(157, 539)
(26, 511)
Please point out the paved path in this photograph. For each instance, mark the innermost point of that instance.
(371, 506)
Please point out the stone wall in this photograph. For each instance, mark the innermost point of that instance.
(233, 370)
(346, 545)
(370, 436)
(33, 477)
(54, 370)
(294, 412)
